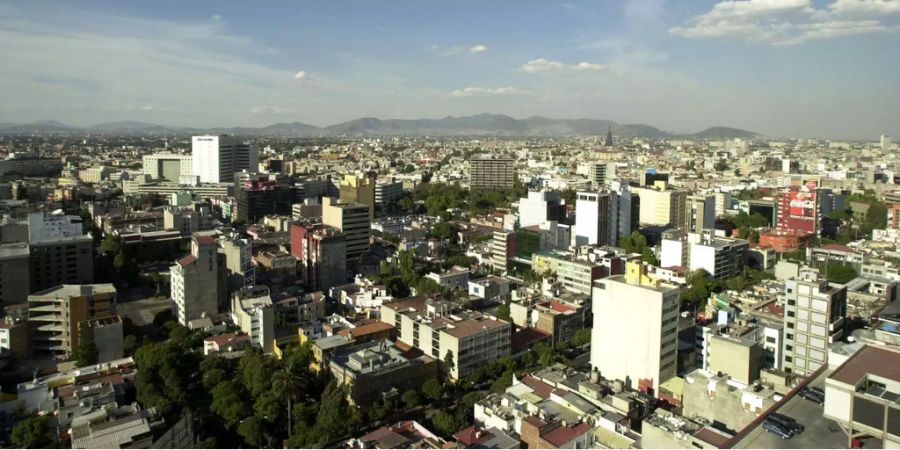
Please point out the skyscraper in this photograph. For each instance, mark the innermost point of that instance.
(592, 218)
(814, 314)
(215, 159)
(352, 219)
(539, 207)
(195, 281)
(635, 333)
(609, 137)
(699, 213)
(885, 142)
(359, 188)
(492, 173)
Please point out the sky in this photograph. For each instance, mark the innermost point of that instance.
(784, 68)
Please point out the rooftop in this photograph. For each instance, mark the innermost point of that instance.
(869, 361)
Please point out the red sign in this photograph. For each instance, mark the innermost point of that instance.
(802, 204)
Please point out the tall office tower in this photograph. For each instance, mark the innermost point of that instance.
(503, 247)
(491, 173)
(195, 281)
(60, 251)
(602, 173)
(699, 213)
(260, 194)
(388, 192)
(723, 201)
(799, 208)
(57, 313)
(814, 314)
(353, 220)
(635, 333)
(661, 205)
(322, 252)
(625, 208)
(168, 166)
(539, 207)
(592, 218)
(359, 188)
(885, 142)
(215, 159)
(239, 269)
(609, 137)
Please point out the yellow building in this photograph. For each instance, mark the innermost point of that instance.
(359, 189)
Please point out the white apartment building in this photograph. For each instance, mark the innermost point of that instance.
(661, 205)
(215, 159)
(814, 314)
(699, 213)
(539, 207)
(635, 332)
(252, 311)
(439, 328)
(592, 218)
(194, 282)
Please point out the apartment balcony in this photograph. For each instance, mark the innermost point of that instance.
(46, 318)
(52, 327)
(55, 308)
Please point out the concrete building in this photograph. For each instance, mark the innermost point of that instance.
(168, 166)
(359, 188)
(30, 165)
(94, 174)
(814, 314)
(14, 337)
(635, 332)
(491, 173)
(14, 273)
(215, 159)
(560, 318)
(454, 278)
(861, 395)
(625, 209)
(699, 213)
(55, 315)
(503, 247)
(371, 370)
(188, 220)
(351, 219)
(252, 311)
(238, 258)
(885, 143)
(60, 251)
(602, 173)
(257, 195)
(592, 218)
(539, 207)
(661, 205)
(195, 281)
(388, 192)
(108, 336)
(722, 257)
(322, 253)
(441, 330)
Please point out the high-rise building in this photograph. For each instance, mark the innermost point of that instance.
(635, 332)
(14, 273)
(351, 219)
(661, 205)
(215, 159)
(539, 207)
(699, 213)
(57, 313)
(492, 173)
(885, 143)
(60, 251)
(359, 188)
(625, 209)
(322, 252)
(195, 281)
(602, 173)
(814, 314)
(388, 192)
(168, 166)
(252, 311)
(260, 194)
(592, 218)
(799, 208)
(503, 247)
(239, 269)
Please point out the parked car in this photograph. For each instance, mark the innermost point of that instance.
(813, 394)
(776, 429)
(787, 422)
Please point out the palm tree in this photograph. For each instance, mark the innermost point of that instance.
(289, 384)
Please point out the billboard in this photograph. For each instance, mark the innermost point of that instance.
(802, 204)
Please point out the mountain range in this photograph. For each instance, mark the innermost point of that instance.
(477, 125)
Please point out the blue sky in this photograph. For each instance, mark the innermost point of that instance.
(790, 68)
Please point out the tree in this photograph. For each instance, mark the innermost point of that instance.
(32, 432)
(838, 273)
(449, 361)
(396, 287)
(288, 382)
(412, 398)
(252, 431)
(503, 312)
(426, 286)
(447, 423)
(86, 354)
(228, 404)
(433, 389)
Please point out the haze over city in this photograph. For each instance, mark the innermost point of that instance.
(788, 68)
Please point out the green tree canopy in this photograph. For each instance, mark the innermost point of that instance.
(86, 353)
(32, 432)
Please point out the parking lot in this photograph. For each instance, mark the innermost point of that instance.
(820, 432)
(138, 305)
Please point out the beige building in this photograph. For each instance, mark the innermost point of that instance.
(195, 281)
(353, 220)
(742, 359)
(814, 314)
(56, 313)
(699, 213)
(661, 205)
(253, 313)
(359, 188)
(635, 332)
(439, 328)
(491, 173)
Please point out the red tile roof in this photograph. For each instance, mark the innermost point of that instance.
(540, 388)
(839, 248)
(472, 436)
(561, 307)
(205, 239)
(187, 260)
(561, 436)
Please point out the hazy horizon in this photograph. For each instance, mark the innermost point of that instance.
(782, 68)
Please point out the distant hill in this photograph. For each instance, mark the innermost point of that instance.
(476, 125)
(724, 133)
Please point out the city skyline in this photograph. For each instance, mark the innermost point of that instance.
(790, 68)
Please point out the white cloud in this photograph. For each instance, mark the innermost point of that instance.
(786, 22)
(545, 65)
(488, 92)
(300, 76)
(645, 9)
(478, 49)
